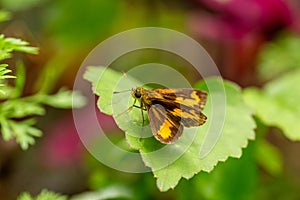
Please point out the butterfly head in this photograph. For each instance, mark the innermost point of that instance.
(137, 93)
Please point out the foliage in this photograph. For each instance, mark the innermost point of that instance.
(17, 112)
(269, 157)
(17, 5)
(4, 15)
(223, 181)
(110, 192)
(279, 56)
(44, 195)
(7, 46)
(277, 103)
(83, 26)
(4, 74)
(168, 167)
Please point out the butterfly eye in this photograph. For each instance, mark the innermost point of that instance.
(137, 95)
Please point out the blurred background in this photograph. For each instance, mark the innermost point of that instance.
(237, 34)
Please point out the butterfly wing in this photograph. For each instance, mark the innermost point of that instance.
(165, 126)
(185, 104)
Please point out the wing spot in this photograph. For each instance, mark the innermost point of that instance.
(165, 130)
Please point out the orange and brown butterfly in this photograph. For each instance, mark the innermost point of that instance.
(169, 110)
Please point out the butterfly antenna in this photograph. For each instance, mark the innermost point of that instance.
(130, 79)
(117, 92)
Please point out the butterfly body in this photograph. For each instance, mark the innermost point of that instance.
(169, 110)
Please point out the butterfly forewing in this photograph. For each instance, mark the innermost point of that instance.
(184, 103)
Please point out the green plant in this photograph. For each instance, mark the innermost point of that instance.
(44, 195)
(111, 192)
(16, 111)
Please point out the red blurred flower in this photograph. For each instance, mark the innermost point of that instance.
(235, 18)
(63, 146)
(239, 28)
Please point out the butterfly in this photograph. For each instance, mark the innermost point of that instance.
(169, 110)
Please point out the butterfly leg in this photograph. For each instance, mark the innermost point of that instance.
(143, 120)
(127, 110)
(142, 110)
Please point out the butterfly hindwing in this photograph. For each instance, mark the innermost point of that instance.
(165, 126)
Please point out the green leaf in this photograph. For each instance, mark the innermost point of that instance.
(170, 163)
(19, 108)
(19, 5)
(103, 84)
(277, 103)
(8, 45)
(110, 192)
(25, 196)
(16, 44)
(3, 75)
(93, 75)
(6, 131)
(4, 15)
(4, 71)
(269, 157)
(63, 99)
(20, 80)
(44, 195)
(281, 55)
(234, 179)
(53, 70)
(24, 132)
(90, 12)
